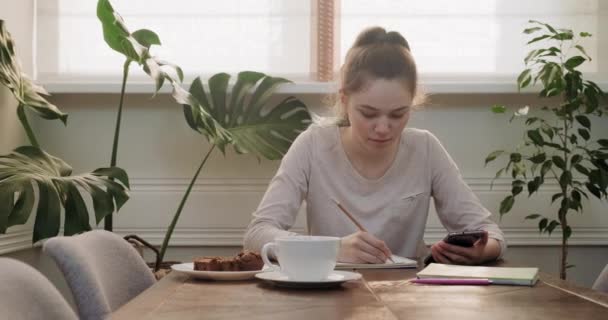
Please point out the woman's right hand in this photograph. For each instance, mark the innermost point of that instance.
(362, 247)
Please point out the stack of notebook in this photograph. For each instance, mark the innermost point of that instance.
(496, 275)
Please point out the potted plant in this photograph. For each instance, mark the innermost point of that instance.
(240, 117)
(227, 114)
(136, 49)
(557, 144)
(29, 173)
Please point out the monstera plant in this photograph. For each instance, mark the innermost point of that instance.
(136, 49)
(29, 168)
(241, 117)
(558, 143)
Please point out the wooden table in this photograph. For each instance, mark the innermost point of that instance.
(380, 294)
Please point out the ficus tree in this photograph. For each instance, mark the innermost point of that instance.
(557, 144)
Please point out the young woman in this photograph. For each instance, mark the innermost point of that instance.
(383, 173)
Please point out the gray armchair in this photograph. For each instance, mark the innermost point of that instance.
(27, 294)
(102, 270)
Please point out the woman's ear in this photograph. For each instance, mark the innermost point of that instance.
(343, 97)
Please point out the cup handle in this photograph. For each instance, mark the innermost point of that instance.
(265, 250)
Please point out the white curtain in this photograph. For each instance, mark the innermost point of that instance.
(202, 36)
(477, 38)
(461, 41)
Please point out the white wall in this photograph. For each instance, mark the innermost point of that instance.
(161, 152)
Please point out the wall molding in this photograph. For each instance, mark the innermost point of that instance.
(14, 241)
(260, 184)
(524, 236)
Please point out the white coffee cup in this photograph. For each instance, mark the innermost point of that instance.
(303, 258)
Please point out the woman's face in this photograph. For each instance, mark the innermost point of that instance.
(378, 113)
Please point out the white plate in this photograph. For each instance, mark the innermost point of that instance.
(188, 268)
(336, 278)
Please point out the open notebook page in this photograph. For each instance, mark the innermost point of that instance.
(399, 262)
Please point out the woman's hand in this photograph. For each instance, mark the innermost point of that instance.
(362, 247)
(483, 250)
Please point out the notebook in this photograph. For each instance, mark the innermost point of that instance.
(498, 275)
(399, 262)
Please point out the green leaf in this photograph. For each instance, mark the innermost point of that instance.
(536, 137)
(566, 233)
(565, 179)
(552, 226)
(576, 159)
(548, 130)
(532, 30)
(517, 187)
(506, 204)
(603, 142)
(515, 157)
(499, 108)
(533, 185)
(532, 216)
(524, 78)
(574, 62)
(595, 191)
(581, 169)
(539, 38)
(583, 120)
(28, 166)
(546, 167)
(582, 50)
(252, 124)
(26, 92)
(584, 134)
(556, 196)
(146, 37)
(559, 162)
(492, 156)
(542, 224)
(538, 158)
(585, 34)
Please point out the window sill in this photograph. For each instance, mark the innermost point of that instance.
(429, 86)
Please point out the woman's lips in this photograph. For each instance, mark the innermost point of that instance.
(380, 140)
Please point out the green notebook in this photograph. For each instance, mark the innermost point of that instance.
(498, 275)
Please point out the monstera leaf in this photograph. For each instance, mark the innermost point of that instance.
(241, 117)
(28, 94)
(252, 125)
(28, 168)
(134, 46)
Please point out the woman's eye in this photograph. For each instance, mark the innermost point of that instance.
(368, 114)
(398, 115)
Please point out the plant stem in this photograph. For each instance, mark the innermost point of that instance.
(125, 73)
(26, 125)
(563, 222)
(165, 244)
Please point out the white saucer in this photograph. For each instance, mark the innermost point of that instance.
(188, 268)
(336, 278)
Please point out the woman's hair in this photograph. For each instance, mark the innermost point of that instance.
(377, 54)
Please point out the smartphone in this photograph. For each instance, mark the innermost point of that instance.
(464, 239)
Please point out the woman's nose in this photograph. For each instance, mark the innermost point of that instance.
(382, 126)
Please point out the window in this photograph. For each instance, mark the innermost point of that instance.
(468, 41)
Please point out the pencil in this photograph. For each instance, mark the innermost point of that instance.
(350, 216)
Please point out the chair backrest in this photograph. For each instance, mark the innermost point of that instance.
(102, 269)
(27, 294)
(601, 283)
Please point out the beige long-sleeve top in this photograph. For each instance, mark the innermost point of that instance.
(394, 207)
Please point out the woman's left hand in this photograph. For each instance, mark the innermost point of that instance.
(483, 250)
